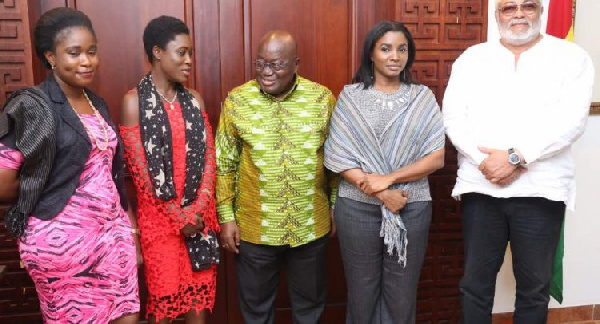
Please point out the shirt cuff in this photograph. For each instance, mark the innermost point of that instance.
(529, 154)
(332, 198)
(225, 213)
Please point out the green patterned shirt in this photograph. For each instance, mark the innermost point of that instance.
(270, 174)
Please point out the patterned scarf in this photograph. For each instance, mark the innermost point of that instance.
(156, 138)
(415, 131)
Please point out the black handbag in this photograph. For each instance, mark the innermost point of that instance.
(203, 250)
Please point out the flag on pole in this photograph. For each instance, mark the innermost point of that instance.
(556, 285)
(560, 24)
(560, 19)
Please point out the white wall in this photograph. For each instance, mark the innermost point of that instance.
(582, 228)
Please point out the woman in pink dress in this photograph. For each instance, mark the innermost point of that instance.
(75, 237)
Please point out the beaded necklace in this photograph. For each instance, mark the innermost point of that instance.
(102, 125)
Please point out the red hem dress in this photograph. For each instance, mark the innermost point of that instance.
(173, 288)
(83, 260)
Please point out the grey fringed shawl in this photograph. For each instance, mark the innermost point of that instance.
(415, 131)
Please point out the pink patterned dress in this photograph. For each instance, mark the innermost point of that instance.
(83, 260)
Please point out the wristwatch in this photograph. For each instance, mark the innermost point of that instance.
(513, 157)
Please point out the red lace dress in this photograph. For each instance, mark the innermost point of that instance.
(173, 288)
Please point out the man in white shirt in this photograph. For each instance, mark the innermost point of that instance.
(512, 109)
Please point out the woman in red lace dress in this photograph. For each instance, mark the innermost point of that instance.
(170, 154)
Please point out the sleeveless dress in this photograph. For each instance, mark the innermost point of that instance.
(173, 288)
(83, 261)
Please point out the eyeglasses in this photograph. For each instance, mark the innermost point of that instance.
(274, 66)
(510, 9)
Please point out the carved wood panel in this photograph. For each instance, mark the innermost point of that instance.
(17, 294)
(442, 30)
(15, 48)
(444, 24)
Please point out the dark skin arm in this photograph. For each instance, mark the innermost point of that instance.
(9, 187)
(138, 247)
(424, 166)
(130, 117)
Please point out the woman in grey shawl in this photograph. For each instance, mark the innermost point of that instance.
(386, 137)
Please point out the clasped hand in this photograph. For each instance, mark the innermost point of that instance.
(497, 169)
(393, 199)
(372, 183)
(377, 185)
(191, 229)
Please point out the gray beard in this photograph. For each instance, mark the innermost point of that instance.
(522, 38)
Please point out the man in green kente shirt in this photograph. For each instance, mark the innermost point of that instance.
(273, 194)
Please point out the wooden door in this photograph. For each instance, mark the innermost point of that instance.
(442, 30)
(225, 35)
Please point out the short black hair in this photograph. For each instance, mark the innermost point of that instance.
(51, 24)
(365, 71)
(160, 31)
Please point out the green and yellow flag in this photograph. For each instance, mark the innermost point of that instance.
(560, 24)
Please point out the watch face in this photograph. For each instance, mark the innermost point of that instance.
(514, 158)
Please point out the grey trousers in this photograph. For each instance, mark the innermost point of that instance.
(258, 268)
(380, 290)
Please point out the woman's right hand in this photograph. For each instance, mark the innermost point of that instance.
(138, 251)
(393, 199)
(191, 229)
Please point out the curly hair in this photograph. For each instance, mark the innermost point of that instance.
(160, 31)
(50, 27)
(365, 71)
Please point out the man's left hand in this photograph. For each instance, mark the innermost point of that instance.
(512, 177)
(496, 166)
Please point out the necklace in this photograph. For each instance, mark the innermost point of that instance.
(391, 100)
(170, 102)
(89, 131)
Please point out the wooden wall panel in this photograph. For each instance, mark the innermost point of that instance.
(321, 31)
(36, 8)
(444, 24)
(207, 54)
(442, 30)
(232, 45)
(15, 48)
(18, 299)
(119, 27)
(365, 14)
(203, 19)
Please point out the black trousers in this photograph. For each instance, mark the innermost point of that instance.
(532, 225)
(258, 268)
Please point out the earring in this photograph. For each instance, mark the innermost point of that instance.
(52, 66)
(372, 71)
